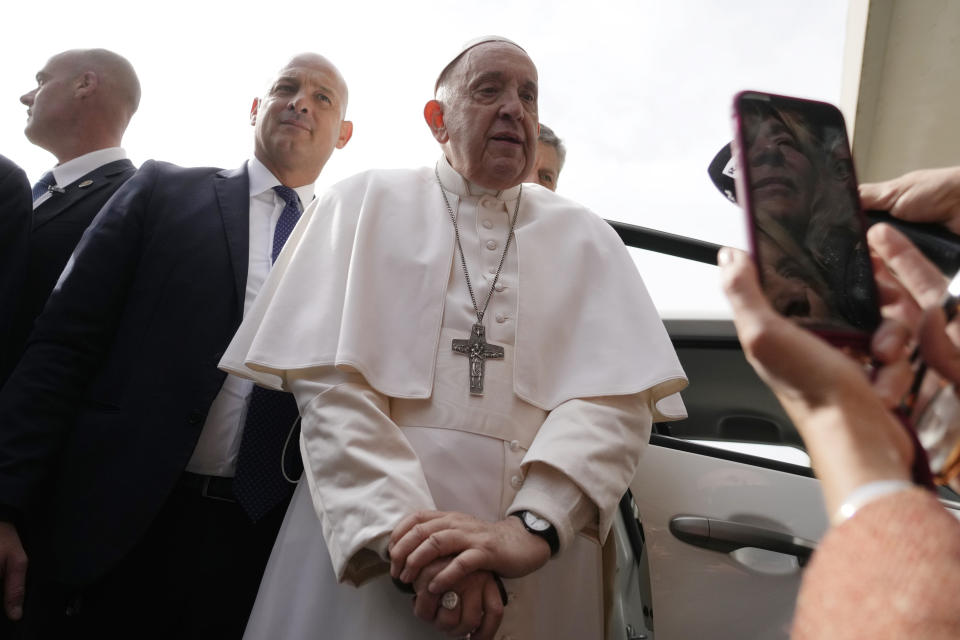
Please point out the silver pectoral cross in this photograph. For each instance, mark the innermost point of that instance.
(478, 350)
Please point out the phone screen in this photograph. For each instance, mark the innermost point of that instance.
(796, 181)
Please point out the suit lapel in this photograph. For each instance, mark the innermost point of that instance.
(233, 196)
(99, 178)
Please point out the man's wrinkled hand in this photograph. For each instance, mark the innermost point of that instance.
(479, 609)
(504, 547)
(13, 568)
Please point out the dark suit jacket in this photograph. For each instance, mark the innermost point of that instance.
(113, 389)
(16, 205)
(57, 226)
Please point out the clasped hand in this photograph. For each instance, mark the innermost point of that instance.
(440, 551)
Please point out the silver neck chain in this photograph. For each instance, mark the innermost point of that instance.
(463, 259)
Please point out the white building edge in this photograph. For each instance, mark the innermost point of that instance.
(901, 85)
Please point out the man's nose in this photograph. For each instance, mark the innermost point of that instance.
(512, 108)
(298, 103)
(27, 98)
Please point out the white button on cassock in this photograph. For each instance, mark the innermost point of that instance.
(514, 445)
(491, 244)
(487, 224)
(516, 482)
(501, 318)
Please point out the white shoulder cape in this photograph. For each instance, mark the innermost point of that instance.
(362, 280)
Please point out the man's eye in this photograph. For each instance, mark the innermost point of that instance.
(546, 177)
(528, 97)
(324, 98)
(283, 88)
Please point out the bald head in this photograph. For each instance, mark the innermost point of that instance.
(83, 101)
(317, 61)
(301, 119)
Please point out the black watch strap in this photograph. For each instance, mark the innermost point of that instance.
(549, 533)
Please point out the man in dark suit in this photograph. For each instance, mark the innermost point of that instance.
(14, 234)
(118, 428)
(79, 111)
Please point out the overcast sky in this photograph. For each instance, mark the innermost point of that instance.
(639, 91)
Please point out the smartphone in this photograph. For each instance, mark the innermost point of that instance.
(795, 181)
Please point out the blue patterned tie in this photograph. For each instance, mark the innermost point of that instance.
(260, 484)
(287, 220)
(43, 185)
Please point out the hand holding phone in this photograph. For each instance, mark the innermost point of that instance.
(796, 182)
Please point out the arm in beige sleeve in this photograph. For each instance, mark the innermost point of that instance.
(582, 461)
(890, 571)
(363, 475)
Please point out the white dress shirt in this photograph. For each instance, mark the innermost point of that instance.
(219, 443)
(72, 170)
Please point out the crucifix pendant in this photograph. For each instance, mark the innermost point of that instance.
(478, 350)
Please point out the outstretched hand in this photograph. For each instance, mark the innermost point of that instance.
(504, 547)
(927, 195)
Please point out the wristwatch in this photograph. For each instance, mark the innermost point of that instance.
(540, 527)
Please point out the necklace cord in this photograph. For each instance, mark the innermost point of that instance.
(463, 259)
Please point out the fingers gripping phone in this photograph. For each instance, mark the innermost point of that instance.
(796, 183)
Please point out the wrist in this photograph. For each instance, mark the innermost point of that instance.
(537, 526)
(867, 493)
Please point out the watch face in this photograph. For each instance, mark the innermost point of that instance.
(534, 522)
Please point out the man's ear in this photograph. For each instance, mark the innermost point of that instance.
(433, 114)
(346, 132)
(253, 111)
(86, 84)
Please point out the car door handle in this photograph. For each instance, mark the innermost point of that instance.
(726, 536)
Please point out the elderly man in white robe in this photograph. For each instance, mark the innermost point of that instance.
(477, 365)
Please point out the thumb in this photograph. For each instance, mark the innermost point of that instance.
(742, 285)
(779, 350)
(879, 195)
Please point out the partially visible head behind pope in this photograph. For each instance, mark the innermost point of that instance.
(484, 114)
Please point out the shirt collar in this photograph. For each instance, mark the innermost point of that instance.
(453, 181)
(72, 170)
(262, 180)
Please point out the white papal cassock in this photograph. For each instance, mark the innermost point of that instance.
(357, 319)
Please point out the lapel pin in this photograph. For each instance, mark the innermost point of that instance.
(85, 183)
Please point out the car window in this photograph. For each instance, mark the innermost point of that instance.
(729, 408)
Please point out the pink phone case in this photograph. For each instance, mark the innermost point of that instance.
(851, 328)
